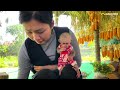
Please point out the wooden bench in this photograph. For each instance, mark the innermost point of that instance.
(4, 75)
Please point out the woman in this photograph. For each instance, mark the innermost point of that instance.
(38, 53)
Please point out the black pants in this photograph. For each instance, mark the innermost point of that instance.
(67, 73)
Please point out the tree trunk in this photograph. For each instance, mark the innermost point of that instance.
(56, 18)
(97, 45)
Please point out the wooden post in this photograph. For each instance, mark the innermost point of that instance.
(56, 17)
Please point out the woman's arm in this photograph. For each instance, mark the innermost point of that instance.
(23, 63)
(51, 67)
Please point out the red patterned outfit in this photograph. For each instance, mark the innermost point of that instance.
(63, 59)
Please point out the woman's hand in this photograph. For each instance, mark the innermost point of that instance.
(38, 68)
(51, 67)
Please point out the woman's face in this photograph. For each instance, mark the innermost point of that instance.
(37, 31)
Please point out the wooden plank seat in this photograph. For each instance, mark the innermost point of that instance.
(4, 75)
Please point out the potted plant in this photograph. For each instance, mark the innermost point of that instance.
(101, 70)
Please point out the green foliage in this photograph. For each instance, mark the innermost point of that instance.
(88, 54)
(102, 68)
(91, 44)
(91, 58)
(0, 37)
(103, 43)
(9, 61)
(18, 32)
(80, 19)
(3, 50)
(113, 41)
(109, 42)
(15, 29)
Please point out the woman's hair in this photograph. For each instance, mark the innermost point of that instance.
(41, 16)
